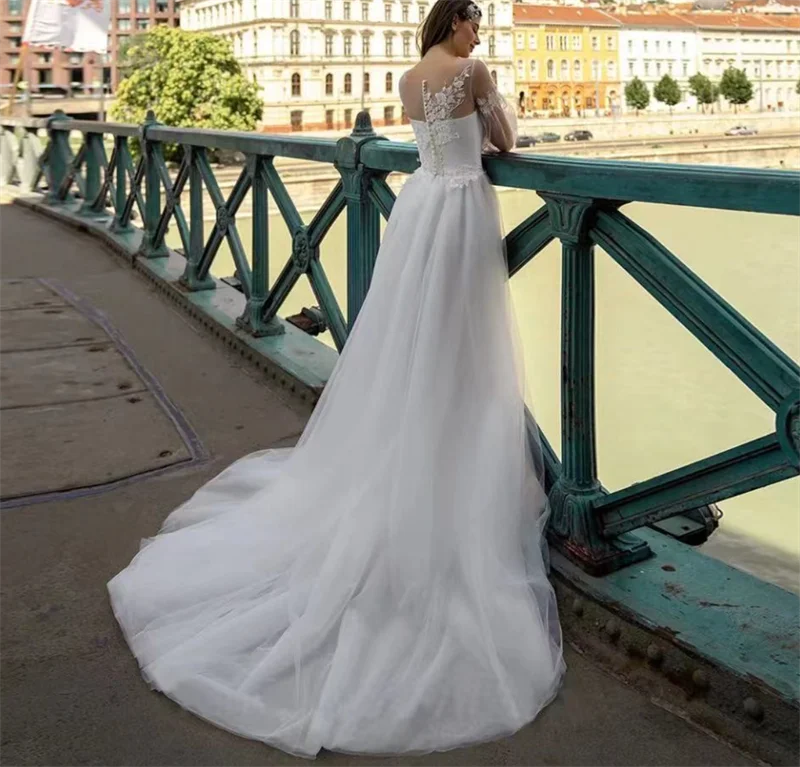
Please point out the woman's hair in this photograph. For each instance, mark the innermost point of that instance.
(437, 26)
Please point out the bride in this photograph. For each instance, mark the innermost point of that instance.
(381, 587)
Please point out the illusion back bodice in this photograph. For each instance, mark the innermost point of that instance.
(455, 115)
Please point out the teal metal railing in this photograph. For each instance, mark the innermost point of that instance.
(583, 201)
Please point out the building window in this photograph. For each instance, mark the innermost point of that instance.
(389, 45)
(422, 10)
(297, 119)
(348, 117)
(610, 43)
(550, 42)
(365, 11)
(520, 38)
(669, 46)
(563, 43)
(294, 43)
(76, 59)
(328, 9)
(658, 68)
(520, 68)
(685, 68)
(533, 43)
(123, 6)
(490, 15)
(630, 68)
(406, 46)
(577, 43)
(365, 44)
(123, 25)
(658, 46)
(329, 85)
(404, 11)
(669, 67)
(644, 43)
(329, 45)
(45, 58)
(683, 47)
(534, 70)
(366, 82)
(646, 68)
(595, 43)
(577, 74)
(329, 119)
(348, 45)
(564, 69)
(595, 70)
(142, 6)
(611, 68)
(162, 6)
(348, 84)
(388, 115)
(551, 69)
(630, 46)
(387, 12)
(45, 76)
(389, 82)
(346, 10)
(15, 7)
(142, 23)
(294, 9)
(296, 84)
(491, 46)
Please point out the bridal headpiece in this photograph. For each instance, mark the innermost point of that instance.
(473, 13)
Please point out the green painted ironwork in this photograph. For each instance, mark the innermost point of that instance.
(583, 201)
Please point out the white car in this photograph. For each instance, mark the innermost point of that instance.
(741, 130)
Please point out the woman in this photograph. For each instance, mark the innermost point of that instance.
(380, 588)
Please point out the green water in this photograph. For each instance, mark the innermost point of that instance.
(662, 399)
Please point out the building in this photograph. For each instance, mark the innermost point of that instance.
(318, 62)
(656, 44)
(767, 48)
(566, 60)
(63, 71)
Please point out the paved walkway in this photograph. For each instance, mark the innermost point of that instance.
(116, 408)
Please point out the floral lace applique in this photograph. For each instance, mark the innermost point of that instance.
(438, 109)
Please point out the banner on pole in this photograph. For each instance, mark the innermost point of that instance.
(76, 25)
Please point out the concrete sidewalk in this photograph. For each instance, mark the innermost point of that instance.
(71, 691)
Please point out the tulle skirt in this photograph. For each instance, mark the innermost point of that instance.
(381, 587)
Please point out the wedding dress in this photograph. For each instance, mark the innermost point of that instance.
(381, 587)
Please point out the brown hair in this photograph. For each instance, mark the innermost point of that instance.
(437, 25)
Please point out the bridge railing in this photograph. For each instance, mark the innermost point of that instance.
(583, 201)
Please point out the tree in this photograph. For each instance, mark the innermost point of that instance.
(188, 79)
(667, 91)
(797, 87)
(702, 89)
(637, 95)
(735, 87)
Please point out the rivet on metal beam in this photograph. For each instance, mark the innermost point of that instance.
(612, 629)
(654, 654)
(700, 679)
(753, 709)
(577, 606)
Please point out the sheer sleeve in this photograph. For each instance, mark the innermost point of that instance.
(496, 114)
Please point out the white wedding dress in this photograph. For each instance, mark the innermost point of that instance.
(381, 587)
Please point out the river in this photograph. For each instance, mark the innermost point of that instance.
(662, 399)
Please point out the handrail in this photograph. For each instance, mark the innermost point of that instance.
(582, 208)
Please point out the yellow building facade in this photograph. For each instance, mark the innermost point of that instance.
(566, 60)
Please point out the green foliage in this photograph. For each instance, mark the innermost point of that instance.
(667, 91)
(637, 95)
(797, 87)
(735, 86)
(190, 80)
(703, 90)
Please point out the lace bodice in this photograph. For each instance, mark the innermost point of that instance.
(457, 122)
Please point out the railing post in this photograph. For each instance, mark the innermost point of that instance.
(152, 202)
(57, 157)
(120, 186)
(93, 184)
(8, 156)
(29, 159)
(189, 279)
(575, 525)
(252, 319)
(363, 218)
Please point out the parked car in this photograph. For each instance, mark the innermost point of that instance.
(579, 135)
(548, 137)
(741, 130)
(523, 141)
